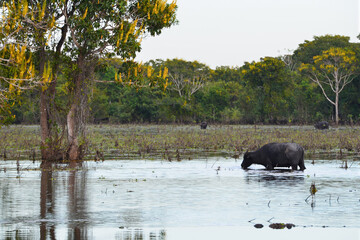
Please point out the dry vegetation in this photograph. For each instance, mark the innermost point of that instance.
(175, 142)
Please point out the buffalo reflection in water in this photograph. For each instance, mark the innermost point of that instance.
(275, 177)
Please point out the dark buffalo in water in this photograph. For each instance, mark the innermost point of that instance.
(322, 125)
(203, 125)
(276, 155)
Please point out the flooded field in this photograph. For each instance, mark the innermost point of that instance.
(157, 199)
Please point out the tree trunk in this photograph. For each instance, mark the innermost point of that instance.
(44, 128)
(44, 116)
(337, 109)
(77, 114)
(51, 138)
(74, 150)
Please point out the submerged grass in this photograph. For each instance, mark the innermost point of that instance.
(176, 142)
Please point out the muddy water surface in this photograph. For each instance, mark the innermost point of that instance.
(154, 199)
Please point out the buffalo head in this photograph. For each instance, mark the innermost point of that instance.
(247, 161)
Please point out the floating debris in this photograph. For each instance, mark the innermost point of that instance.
(281, 225)
(258, 225)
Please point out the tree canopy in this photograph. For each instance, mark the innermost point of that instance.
(335, 68)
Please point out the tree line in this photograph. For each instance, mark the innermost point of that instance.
(288, 89)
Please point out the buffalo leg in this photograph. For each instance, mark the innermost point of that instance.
(294, 167)
(269, 167)
(302, 166)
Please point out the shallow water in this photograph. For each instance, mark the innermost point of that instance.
(143, 199)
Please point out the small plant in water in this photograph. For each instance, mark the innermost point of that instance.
(344, 164)
(312, 190)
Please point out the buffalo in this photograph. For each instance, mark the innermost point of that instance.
(322, 125)
(203, 125)
(276, 155)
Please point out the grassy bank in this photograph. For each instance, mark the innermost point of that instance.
(176, 142)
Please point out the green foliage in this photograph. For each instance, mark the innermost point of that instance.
(334, 69)
(270, 87)
(227, 74)
(307, 50)
(267, 91)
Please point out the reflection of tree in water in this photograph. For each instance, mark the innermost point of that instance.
(47, 203)
(75, 187)
(6, 196)
(77, 205)
(140, 234)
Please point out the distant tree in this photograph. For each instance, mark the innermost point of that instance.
(289, 62)
(186, 77)
(306, 51)
(268, 87)
(334, 68)
(214, 99)
(227, 74)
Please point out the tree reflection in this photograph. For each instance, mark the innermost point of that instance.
(140, 234)
(77, 204)
(75, 189)
(47, 203)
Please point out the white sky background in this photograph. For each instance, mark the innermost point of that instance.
(230, 32)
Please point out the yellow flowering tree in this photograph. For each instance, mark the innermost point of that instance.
(107, 28)
(17, 72)
(332, 71)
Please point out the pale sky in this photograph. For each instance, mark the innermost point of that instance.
(230, 32)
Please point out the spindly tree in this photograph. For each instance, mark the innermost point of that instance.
(332, 71)
(186, 77)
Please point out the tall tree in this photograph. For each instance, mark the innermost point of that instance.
(334, 68)
(47, 32)
(99, 28)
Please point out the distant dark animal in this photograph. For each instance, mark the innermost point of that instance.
(276, 155)
(203, 125)
(322, 125)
